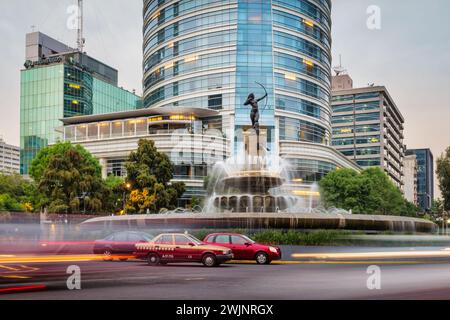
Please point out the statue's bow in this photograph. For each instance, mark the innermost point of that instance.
(267, 96)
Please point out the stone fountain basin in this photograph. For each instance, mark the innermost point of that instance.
(256, 221)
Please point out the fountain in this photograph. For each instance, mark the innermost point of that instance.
(256, 181)
(254, 190)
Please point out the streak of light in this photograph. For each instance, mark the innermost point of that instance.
(15, 277)
(8, 268)
(57, 259)
(372, 255)
(22, 288)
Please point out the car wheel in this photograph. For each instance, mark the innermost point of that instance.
(209, 260)
(153, 259)
(262, 258)
(107, 255)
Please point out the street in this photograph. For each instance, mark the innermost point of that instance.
(422, 276)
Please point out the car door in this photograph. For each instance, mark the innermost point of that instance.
(241, 250)
(183, 251)
(120, 244)
(133, 239)
(165, 247)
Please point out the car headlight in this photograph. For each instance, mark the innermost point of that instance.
(226, 252)
(273, 250)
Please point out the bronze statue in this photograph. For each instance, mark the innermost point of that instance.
(254, 115)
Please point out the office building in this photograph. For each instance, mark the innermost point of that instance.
(425, 177)
(191, 137)
(210, 54)
(9, 158)
(410, 173)
(59, 82)
(368, 129)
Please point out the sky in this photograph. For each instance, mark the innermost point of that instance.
(408, 52)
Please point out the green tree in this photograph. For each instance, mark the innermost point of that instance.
(117, 189)
(443, 173)
(70, 178)
(19, 193)
(42, 160)
(149, 175)
(368, 192)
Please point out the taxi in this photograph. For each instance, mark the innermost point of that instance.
(177, 248)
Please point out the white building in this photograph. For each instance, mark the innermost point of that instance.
(410, 178)
(9, 158)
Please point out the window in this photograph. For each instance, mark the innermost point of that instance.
(182, 240)
(165, 239)
(121, 237)
(222, 239)
(215, 101)
(238, 240)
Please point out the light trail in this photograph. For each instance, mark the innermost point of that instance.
(373, 255)
(55, 259)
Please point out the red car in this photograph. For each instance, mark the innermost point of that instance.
(176, 248)
(245, 248)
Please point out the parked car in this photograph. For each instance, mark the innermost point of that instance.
(176, 248)
(120, 244)
(245, 248)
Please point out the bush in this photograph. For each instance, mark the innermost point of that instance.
(8, 203)
(292, 237)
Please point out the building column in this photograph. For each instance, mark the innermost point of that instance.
(104, 165)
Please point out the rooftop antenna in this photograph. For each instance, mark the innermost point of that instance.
(339, 69)
(80, 40)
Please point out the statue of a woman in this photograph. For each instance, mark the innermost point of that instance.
(254, 115)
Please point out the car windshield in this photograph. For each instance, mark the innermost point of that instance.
(248, 239)
(194, 240)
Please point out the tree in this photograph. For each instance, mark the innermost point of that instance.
(42, 160)
(70, 178)
(368, 192)
(443, 173)
(19, 194)
(149, 175)
(117, 189)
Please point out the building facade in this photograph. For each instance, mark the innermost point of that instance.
(59, 82)
(410, 173)
(9, 158)
(425, 177)
(211, 54)
(368, 129)
(192, 138)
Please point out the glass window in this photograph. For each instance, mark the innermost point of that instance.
(129, 127)
(165, 239)
(182, 240)
(238, 240)
(105, 130)
(117, 129)
(121, 237)
(222, 239)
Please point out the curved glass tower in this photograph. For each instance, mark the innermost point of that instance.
(211, 53)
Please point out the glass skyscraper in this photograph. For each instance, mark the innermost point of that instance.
(425, 177)
(57, 85)
(211, 53)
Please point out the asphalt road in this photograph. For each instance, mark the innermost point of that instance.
(420, 277)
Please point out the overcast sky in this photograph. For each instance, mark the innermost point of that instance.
(410, 54)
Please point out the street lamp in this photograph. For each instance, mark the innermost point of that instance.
(127, 188)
